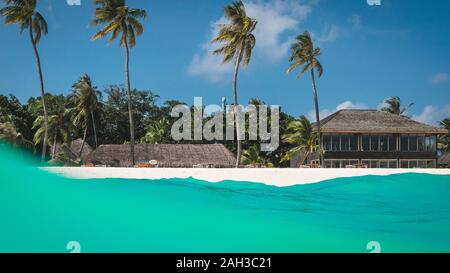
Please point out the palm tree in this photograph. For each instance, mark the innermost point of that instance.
(252, 156)
(305, 54)
(157, 132)
(120, 20)
(237, 44)
(24, 13)
(59, 124)
(303, 137)
(394, 106)
(84, 101)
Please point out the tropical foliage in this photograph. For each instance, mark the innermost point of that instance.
(394, 106)
(303, 138)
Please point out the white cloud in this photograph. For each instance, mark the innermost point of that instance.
(355, 21)
(278, 22)
(323, 113)
(440, 78)
(330, 34)
(432, 114)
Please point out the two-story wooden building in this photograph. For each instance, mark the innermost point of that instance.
(376, 139)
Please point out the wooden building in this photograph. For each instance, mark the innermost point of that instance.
(377, 139)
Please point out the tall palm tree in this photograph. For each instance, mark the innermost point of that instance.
(24, 13)
(84, 102)
(394, 106)
(124, 21)
(237, 43)
(304, 55)
(303, 137)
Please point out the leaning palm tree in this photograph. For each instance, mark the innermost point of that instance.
(24, 13)
(84, 102)
(237, 43)
(58, 128)
(303, 138)
(304, 55)
(393, 106)
(124, 21)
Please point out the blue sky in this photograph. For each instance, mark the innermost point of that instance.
(401, 47)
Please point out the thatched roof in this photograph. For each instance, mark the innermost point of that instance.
(167, 155)
(444, 159)
(72, 149)
(75, 146)
(374, 121)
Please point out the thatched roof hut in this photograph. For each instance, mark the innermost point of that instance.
(167, 155)
(71, 150)
(374, 122)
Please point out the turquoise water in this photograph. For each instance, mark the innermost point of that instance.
(41, 212)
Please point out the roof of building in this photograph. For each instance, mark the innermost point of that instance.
(374, 121)
(72, 149)
(444, 159)
(167, 155)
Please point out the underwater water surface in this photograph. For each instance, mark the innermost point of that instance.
(42, 212)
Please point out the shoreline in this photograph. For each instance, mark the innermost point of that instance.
(270, 176)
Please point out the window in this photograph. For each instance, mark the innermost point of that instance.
(430, 143)
(383, 143)
(422, 164)
(353, 143)
(345, 143)
(418, 143)
(335, 143)
(380, 163)
(404, 164)
(327, 143)
(404, 142)
(418, 163)
(413, 143)
(392, 143)
(366, 143)
(393, 164)
(384, 164)
(338, 143)
(340, 163)
(374, 143)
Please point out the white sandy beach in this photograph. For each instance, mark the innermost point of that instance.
(269, 176)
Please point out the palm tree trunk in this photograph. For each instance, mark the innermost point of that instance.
(94, 127)
(316, 106)
(302, 162)
(236, 107)
(84, 141)
(130, 106)
(41, 78)
(54, 145)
